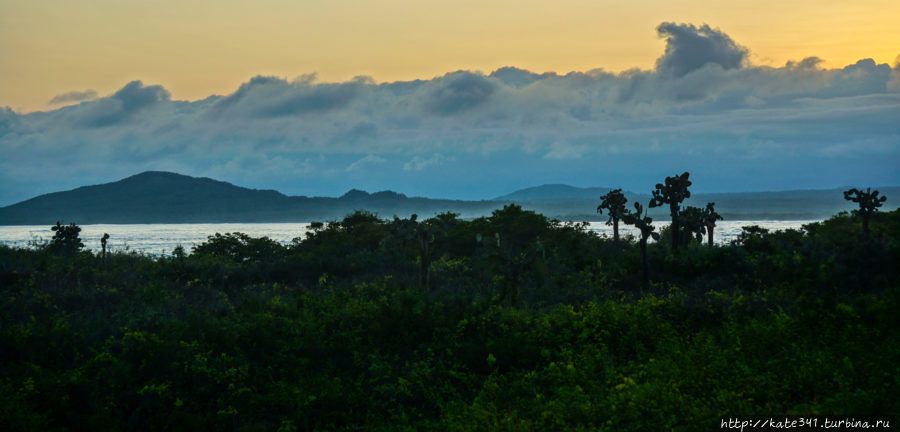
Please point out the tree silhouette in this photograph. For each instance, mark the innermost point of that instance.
(692, 221)
(614, 202)
(673, 192)
(103, 244)
(868, 204)
(644, 224)
(709, 220)
(65, 239)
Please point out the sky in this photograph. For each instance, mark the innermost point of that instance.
(459, 99)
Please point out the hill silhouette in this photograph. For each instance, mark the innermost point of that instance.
(554, 191)
(164, 197)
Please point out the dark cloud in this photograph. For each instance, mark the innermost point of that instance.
(122, 105)
(515, 77)
(403, 88)
(689, 48)
(275, 97)
(246, 90)
(320, 98)
(135, 95)
(73, 96)
(459, 91)
(863, 77)
(807, 63)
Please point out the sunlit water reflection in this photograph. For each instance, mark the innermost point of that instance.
(160, 239)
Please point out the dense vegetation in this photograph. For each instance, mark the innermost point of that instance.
(508, 322)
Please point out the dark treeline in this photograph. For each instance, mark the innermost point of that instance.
(506, 322)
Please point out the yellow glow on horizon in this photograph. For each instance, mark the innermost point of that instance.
(205, 47)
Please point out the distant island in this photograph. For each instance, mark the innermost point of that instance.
(164, 197)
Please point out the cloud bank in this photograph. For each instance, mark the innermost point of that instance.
(467, 134)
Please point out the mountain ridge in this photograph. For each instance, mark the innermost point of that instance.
(166, 197)
(553, 191)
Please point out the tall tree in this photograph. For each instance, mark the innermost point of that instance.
(614, 202)
(709, 220)
(103, 244)
(644, 224)
(673, 192)
(868, 201)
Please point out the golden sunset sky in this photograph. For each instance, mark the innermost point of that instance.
(203, 47)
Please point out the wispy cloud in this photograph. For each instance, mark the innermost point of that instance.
(419, 163)
(369, 160)
(73, 96)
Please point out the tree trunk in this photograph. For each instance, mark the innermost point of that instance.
(676, 233)
(709, 234)
(646, 283)
(616, 229)
(865, 225)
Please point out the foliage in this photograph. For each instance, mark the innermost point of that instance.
(65, 239)
(528, 324)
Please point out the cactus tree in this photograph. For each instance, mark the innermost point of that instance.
(65, 239)
(644, 224)
(673, 192)
(614, 202)
(868, 201)
(693, 224)
(709, 219)
(103, 244)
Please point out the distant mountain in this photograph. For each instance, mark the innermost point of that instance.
(553, 192)
(162, 197)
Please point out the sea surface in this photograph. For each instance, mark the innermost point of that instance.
(161, 239)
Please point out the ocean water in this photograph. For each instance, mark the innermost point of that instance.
(160, 239)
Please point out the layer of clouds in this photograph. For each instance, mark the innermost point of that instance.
(470, 134)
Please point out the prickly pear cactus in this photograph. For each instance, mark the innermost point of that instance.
(868, 201)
